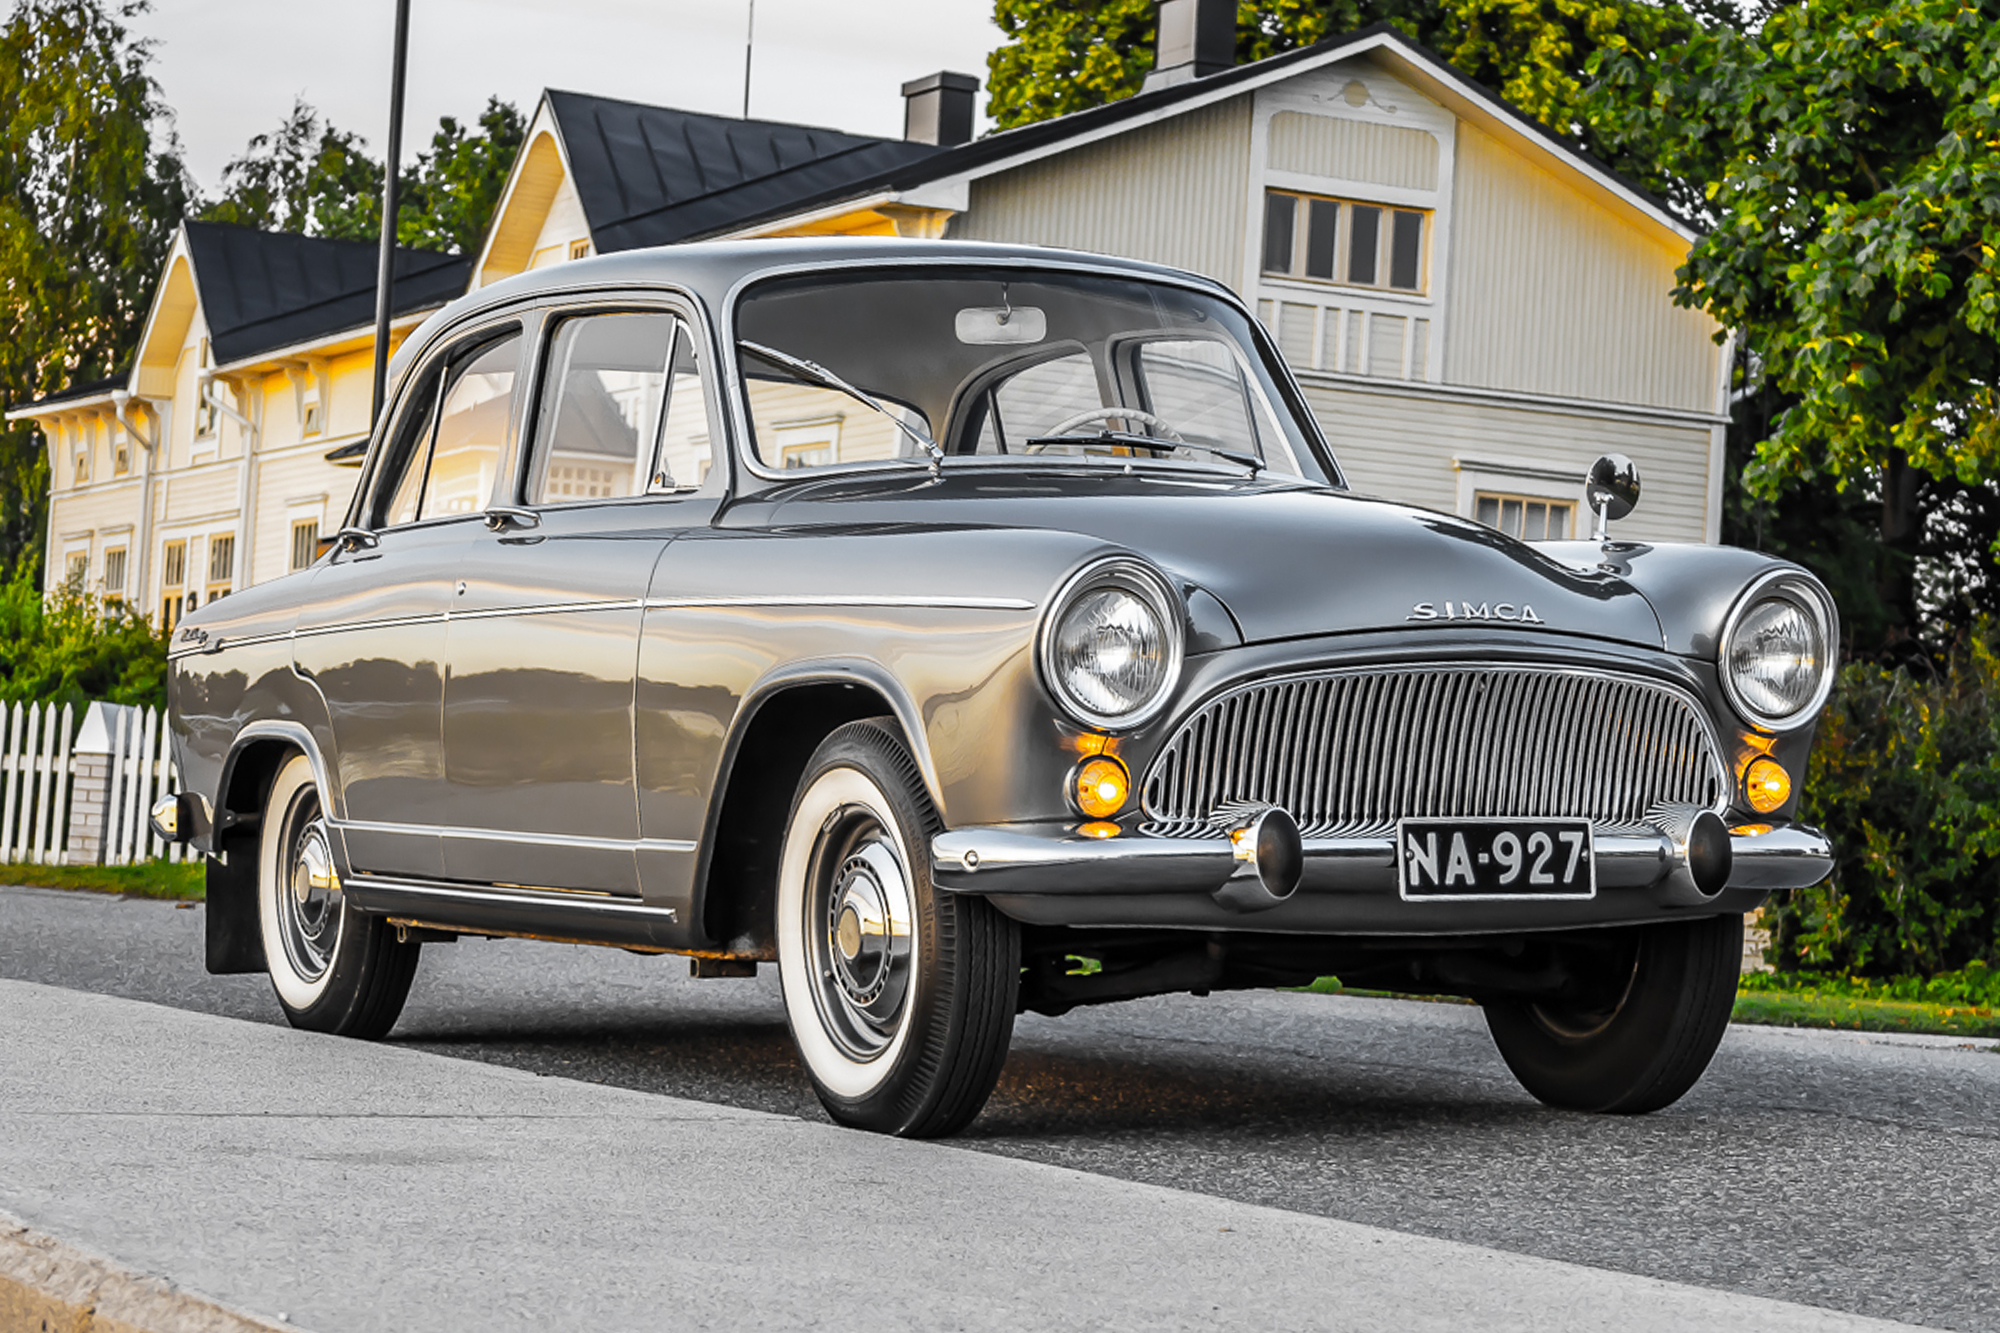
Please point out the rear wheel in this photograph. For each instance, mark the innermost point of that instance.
(1651, 1011)
(900, 997)
(334, 969)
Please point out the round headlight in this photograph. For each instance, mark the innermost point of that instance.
(1777, 652)
(1111, 648)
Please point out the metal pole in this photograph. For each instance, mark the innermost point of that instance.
(749, 45)
(392, 199)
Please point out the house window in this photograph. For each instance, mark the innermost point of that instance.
(221, 564)
(77, 570)
(80, 461)
(173, 580)
(121, 455)
(1524, 516)
(579, 249)
(312, 425)
(114, 572)
(1341, 240)
(305, 542)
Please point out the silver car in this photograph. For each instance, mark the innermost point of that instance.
(969, 629)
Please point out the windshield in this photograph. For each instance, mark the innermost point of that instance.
(1009, 365)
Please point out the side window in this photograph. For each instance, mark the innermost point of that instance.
(600, 409)
(471, 429)
(685, 453)
(442, 458)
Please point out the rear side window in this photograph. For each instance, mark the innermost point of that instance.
(622, 410)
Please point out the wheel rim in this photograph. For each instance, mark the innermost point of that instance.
(1578, 1020)
(309, 898)
(858, 907)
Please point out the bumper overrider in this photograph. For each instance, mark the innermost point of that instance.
(1260, 874)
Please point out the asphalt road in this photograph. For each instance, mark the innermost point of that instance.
(1822, 1169)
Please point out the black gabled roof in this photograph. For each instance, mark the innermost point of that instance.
(88, 389)
(263, 290)
(943, 163)
(651, 175)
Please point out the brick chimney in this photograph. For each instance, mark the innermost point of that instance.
(938, 109)
(1197, 38)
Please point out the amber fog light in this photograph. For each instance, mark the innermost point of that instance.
(1099, 787)
(1766, 785)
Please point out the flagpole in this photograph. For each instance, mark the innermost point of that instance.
(392, 198)
(749, 45)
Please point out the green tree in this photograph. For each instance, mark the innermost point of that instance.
(311, 177)
(69, 647)
(91, 188)
(1849, 155)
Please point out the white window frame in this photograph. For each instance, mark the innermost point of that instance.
(1527, 478)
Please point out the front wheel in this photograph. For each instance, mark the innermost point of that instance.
(1652, 1007)
(334, 969)
(900, 997)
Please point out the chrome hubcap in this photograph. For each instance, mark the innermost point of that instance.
(858, 916)
(309, 899)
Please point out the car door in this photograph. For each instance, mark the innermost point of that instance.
(372, 636)
(546, 616)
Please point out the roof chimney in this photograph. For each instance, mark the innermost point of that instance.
(1197, 38)
(938, 109)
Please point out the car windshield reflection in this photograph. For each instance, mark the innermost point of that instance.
(1005, 366)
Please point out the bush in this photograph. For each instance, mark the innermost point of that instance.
(69, 647)
(1905, 779)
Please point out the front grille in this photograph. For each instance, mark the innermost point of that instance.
(1348, 753)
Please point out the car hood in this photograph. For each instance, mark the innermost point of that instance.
(1287, 560)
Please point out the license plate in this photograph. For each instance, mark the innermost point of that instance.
(1451, 860)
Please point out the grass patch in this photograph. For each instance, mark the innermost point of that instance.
(1958, 1004)
(148, 879)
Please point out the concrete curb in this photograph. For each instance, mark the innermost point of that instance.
(47, 1286)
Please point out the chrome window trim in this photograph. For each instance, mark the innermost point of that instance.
(1805, 591)
(739, 418)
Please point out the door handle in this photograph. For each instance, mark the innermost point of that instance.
(501, 517)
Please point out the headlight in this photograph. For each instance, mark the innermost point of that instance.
(1111, 646)
(1777, 651)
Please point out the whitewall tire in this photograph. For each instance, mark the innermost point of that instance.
(900, 997)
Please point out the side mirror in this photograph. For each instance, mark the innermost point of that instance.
(1612, 489)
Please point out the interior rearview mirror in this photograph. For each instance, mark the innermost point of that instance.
(1002, 326)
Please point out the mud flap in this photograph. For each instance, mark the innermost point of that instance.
(235, 940)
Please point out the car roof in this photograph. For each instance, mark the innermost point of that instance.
(710, 270)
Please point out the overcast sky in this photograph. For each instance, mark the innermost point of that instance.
(230, 68)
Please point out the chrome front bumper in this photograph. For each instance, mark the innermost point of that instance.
(1052, 874)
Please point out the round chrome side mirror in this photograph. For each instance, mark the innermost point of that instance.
(1612, 489)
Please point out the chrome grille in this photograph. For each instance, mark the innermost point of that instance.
(1350, 752)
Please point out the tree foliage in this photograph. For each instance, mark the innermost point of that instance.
(68, 647)
(311, 177)
(91, 188)
(1905, 779)
(1848, 153)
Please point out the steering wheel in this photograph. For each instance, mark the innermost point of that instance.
(1129, 414)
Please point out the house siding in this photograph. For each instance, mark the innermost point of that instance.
(1376, 435)
(1170, 193)
(1554, 292)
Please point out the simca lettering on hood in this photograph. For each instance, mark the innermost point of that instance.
(1523, 614)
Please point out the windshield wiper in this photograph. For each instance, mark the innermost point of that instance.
(814, 370)
(1134, 440)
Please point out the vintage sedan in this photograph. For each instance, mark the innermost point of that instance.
(971, 629)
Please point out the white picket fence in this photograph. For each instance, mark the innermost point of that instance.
(78, 790)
